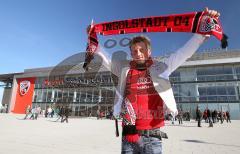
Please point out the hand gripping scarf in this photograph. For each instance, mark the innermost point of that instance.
(195, 22)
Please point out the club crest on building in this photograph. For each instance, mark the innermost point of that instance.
(24, 87)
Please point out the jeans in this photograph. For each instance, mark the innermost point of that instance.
(145, 145)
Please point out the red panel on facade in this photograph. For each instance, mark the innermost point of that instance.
(24, 94)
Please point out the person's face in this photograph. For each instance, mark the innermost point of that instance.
(140, 53)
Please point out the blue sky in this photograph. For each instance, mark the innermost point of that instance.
(41, 33)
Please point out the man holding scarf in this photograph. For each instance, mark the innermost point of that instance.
(144, 86)
(143, 89)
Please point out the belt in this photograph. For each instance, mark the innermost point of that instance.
(131, 129)
(153, 133)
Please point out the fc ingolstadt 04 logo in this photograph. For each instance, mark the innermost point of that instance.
(24, 87)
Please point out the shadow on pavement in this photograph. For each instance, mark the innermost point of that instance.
(21, 119)
(177, 125)
(199, 141)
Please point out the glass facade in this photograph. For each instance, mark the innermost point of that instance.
(215, 87)
(83, 95)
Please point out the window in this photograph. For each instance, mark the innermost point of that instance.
(49, 95)
(211, 91)
(39, 95)
(96, 96)
(59, 95)
(89, 96)
(217, 93)
(65, 95)
(71, 95)
(202, 91)
(221, 90)
(82, 96)
(230, 90)
(77, 96)
(175, 74)
(176, 89)
(214, 70)
(44, 97)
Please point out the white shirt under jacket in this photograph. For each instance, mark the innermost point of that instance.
(159, 72)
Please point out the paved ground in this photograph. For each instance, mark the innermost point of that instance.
(91, 136)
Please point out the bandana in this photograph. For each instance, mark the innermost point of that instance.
(195, 22)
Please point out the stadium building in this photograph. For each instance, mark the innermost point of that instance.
(209, 79)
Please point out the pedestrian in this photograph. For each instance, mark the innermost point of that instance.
(214, 116)
(66, 114)
(46, 112)
(199, 116)
(49, 112)
(98, 114)
(57, 112)
(27, 111)
(221, 116)
(180, 117)
(228, 117)
(209, 115)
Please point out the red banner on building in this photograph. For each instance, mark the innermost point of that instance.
(24, 94)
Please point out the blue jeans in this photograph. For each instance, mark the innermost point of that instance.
(145, 145)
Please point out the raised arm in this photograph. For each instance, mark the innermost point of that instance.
(181, 55)
(115, 63)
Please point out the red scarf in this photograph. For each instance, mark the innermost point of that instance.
(195, 22)
(142, 107)
(130, 106)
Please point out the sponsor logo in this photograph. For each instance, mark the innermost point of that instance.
(24, 87)
(144, 82)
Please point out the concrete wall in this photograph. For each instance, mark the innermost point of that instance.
(6, 95)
